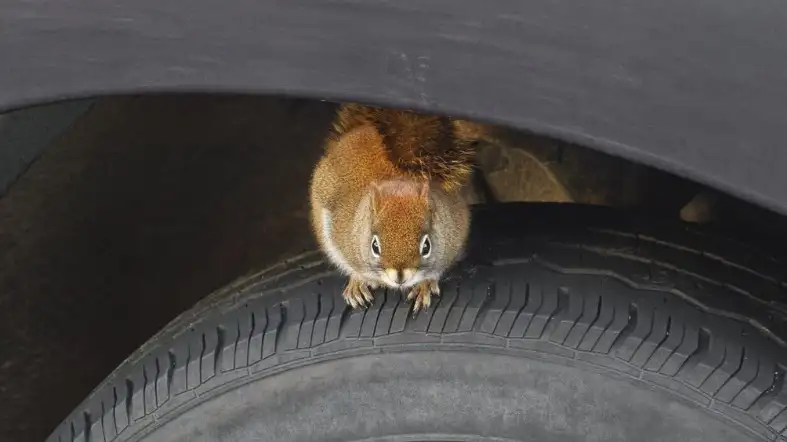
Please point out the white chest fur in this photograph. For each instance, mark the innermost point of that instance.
(333, 252)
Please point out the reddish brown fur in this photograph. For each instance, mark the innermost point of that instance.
(377, 174)
(438, 149)
(352, 163)
(400, 215)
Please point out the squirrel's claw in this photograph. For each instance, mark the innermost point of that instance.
(357, 294)
(422, 293)
(367, 294)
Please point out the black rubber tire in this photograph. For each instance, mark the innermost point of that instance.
(564, 323)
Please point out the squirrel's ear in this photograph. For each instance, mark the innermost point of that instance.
(375, 195)
(424, 191)
(377, 190)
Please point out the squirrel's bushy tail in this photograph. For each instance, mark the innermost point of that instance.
(437, 148)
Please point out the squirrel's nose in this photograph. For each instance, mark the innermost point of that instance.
(399, 276)
(395, 275)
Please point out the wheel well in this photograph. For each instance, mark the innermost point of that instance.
(147, 203)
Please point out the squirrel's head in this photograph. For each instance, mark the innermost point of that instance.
(400, 244)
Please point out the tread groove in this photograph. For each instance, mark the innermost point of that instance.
(632, 322)
(201, 358)
(705, 360)
(129, 393)
(251, 333)
(310, 312)
(479, 298)
(314, 339)
(372, 315)
(442, 310)
(457, 311)
(779, 423)
(601, 323)
(351, 327)
(518, 300)
(387, 312)
(566, 318)
(324, 308)
(160, 386)
(260, 321)
(655, 339)
(343, 318)
(170, 370)
(646, 316)
(420, 322)
(291, 323)
(664, 351)
(759, 386)
(545, 312)
(621, 319)
(590, 313)
(689, 345)
(154, 384)
(252, 325)
(114, 408)
(220, 336)
(150, 399)
(733, 358)
(87, 435)
(103, 427)
(693, 349)
(494, 309)
(235, 346)
(734, 385)
(773, 401)
(522, 321)
(138, 398)
(275, 318)
(401, 316)
(145, 390)
(259, 318)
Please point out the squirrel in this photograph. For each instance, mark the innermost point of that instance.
(385, 198)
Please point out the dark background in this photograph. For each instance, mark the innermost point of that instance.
(140, 209)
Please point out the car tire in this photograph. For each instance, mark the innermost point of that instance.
(563, 323)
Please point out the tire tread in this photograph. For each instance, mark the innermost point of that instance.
(669, 307)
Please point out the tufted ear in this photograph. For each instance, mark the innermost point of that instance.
(424, 191)
(376, 196)
(396, 188)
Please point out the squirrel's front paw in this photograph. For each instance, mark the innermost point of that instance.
(358, 294)
(422, 293)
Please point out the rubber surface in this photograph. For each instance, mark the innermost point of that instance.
(692, 87)
(616, 330)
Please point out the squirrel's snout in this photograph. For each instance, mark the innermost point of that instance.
(399, 277)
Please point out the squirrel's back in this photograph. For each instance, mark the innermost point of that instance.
(423, 147)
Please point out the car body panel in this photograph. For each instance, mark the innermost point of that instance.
(697, 88)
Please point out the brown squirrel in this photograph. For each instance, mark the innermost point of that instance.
(385, 200)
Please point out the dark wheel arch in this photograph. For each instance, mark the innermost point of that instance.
(697, 88)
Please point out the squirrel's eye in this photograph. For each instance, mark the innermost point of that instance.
(426, 246)
(376, 246)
